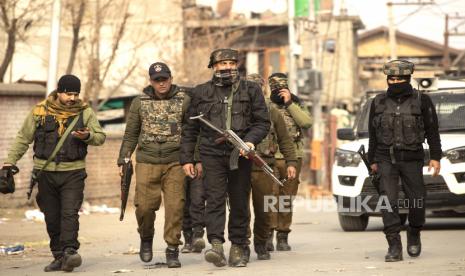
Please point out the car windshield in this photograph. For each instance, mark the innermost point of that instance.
(450, 108)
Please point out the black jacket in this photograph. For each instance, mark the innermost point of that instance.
(430, 119)
(249, 118)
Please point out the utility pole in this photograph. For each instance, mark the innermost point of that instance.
(54, 41)
(317, 83)
(447, 33)
(392, 26)
(292, 48)
(445, 55)
(392, 32)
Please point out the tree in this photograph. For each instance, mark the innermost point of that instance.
(17, 18)
(202, 38)
(199, 43)
(77, 10)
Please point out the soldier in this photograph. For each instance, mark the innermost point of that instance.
(297, 119)
(194, 213)
(261, 184)
(154, 126)
(229, 103)
(400, 120)
(60, 175)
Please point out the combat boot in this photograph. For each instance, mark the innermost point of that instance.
(262, 252)
(281, 242)
(246, 255)
(394, 253)
(145, 252)
(198, 243)
(269, 242)
(187, 248)
(413, 242)
(236, 256)
(55, 265)
(172, 256)
(71, 259)
(215, 255)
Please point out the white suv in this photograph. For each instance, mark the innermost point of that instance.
(446, 192)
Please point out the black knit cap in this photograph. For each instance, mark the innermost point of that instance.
(69, 83)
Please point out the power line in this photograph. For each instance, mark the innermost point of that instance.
(409, 15)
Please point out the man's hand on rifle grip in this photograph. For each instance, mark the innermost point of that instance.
(251, 146)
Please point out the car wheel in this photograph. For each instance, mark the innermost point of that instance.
(353, 223)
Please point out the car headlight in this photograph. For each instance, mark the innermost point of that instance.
(456, 155)
(346, 158)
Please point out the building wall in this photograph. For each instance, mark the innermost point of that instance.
(16, 109)
(154, 32)
(340, 79)
(378, 46)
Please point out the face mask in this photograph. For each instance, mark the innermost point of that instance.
(225, 77)
(274, 97)
(399, 87)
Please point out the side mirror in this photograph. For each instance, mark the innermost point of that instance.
(346, 134)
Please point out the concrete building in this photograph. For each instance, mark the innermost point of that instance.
(336, 57)
(373, 52)
(153, 32)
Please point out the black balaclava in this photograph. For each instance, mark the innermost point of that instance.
(400, 89)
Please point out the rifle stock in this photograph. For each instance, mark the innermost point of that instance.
(128, 170)
(32, 183)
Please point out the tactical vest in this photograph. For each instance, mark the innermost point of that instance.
(162, 119)
(294, 130)
(214, 107)
(46, 138)
(399, 125)
(268, 146)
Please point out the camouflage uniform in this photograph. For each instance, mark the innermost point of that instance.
(296, 118)
(398, 67)
(262, 186)
(154, 126)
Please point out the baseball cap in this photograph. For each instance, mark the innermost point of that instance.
(159, 70)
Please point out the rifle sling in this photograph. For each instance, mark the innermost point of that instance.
(60, 143)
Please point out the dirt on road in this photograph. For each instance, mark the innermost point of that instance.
(319, 247)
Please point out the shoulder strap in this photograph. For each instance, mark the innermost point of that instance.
(234, 88)
(418, 97)
(230, 102)
(61, 141)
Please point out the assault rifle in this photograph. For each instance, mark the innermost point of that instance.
(239, 144)
(374, 177)
(128, 170)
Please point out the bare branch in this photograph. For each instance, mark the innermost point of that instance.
(76, 26)
(4, 11)
(120, 83)
(116, 41)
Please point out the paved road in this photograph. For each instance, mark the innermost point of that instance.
(320, 247)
